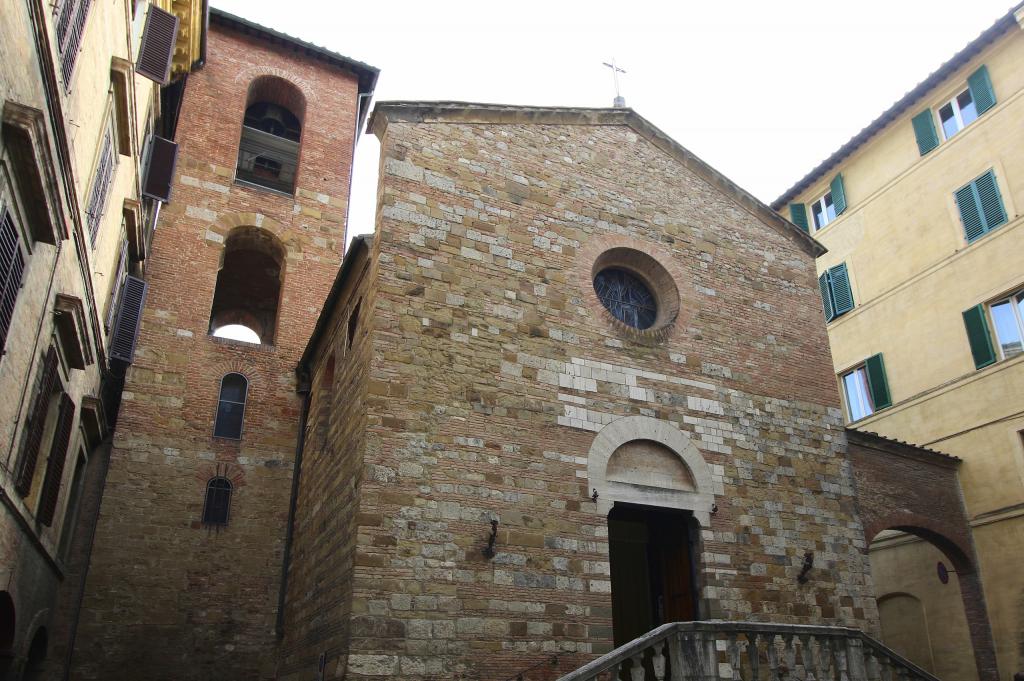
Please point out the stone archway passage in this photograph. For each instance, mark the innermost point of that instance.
(916, 490)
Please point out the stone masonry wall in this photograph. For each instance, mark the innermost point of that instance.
(166, 597)
(493, 365)
(318, 603)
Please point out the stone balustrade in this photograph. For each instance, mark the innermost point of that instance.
(746, 651)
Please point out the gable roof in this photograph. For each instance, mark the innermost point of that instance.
(470, 112)
(366, 74)
(961, 58)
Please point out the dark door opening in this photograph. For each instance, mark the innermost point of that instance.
(652, 570)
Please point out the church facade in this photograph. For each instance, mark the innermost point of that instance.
(577, 384)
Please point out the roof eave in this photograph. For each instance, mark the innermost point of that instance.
(960, 59)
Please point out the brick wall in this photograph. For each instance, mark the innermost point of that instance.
(903, 487)
(493, 365)
(166, 597)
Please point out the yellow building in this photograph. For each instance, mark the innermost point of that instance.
(923, 290)
(88, 99)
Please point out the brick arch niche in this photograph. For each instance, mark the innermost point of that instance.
(917, 491)
(249, 282)
(647, 461)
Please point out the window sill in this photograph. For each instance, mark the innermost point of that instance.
(263, 188)
(231, 342)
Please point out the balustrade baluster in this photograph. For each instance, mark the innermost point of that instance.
(683, 655)
(855, 660)
(842, 664)
(733, 650)
(754, 656)
(790, 651)
(636, 672)
(807, 657)
(774, 661)
(824, 665)
(658, 660)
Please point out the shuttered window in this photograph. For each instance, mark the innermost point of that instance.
(116, 285)
(838, 192)
(162, 157)
(798, 216)
(37, 423)
(954, 115)
(157, 48)
(101, 184)
(12, 267)
(866, 388)
(924, 131)
(981, 206)
(978, 336)
(55, 464)
(836, 294)
(129, 317)
(69, 20)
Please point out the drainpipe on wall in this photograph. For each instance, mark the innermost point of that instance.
(304, 390)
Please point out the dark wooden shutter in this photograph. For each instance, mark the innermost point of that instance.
(982, 93)
(798, 216)
(878, 385)
(979, 336)
(157, 48)
(826, 296)
(55, 464)
(924, 131)
(12, 266)
(842, 294)
(163, 154)
(990, 201)
(970, 212)
(129, 317)
(838, 194)
(37, 422)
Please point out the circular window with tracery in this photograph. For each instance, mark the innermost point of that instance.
(626, 297)
(637, 291)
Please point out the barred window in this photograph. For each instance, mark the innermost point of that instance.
(231, 406)
(217, 506)
(12, 266)
(101, 183)
(70, 16)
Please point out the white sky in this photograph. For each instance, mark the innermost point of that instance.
(761, 90)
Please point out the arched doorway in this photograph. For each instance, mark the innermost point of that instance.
(7, 629)
(920, 603)
(36, 657)
(654, 487)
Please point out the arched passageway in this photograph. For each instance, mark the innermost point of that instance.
(916, 492)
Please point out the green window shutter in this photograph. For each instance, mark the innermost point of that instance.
(838, 194)
(924, 130)
(991, 202)
(842, 294)
(826, 296)
(798, 215)
(979, 336)
(970, 214)
(982, 93)
(877, 383)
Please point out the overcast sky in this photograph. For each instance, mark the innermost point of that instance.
(762, 91)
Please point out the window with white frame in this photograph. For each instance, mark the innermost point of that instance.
(823, 211)
(1008, 320)
(866, 388)
(957, 113)
(858, 397)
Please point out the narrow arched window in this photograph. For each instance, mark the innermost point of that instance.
(231, 406)
(268, 152)
(218, 501)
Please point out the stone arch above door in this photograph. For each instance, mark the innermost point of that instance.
(643, 460)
